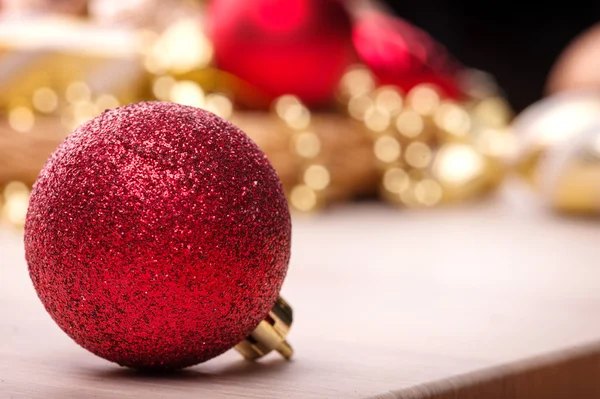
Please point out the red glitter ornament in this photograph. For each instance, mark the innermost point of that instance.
(158, 236)
(299, 47)
(400, 54)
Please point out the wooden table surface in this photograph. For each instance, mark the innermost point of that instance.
(494, 300)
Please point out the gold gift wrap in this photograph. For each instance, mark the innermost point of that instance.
(60, 66)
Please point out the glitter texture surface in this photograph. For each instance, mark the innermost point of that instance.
(158, 235)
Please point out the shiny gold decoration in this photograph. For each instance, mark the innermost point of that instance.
(45, 100)
(358, 81)
(493, 112)
(428, 192)
(162, 86)
(410, 124)
(21, 119)
(377, 120)
(453, 120)
(360, 106)
(463, 172)
(418, 155)
(68, 69)
(106, 101)
(570, 174)
(183, 47)
(317, 177)
(303, 198)
(550, 123)
(270, 334)
(432, 150)
(417, 148)
(387, 149)
(78, 92)
(187, 92)
(388, 100)
(424, 99)
(219, 104)
(396, 180)
(307, 145)
(291, 111)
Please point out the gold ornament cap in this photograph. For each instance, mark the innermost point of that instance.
(270, 334)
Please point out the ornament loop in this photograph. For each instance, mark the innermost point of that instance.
(270, 334)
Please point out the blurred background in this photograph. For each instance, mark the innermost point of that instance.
(518, 43)
(417, 104)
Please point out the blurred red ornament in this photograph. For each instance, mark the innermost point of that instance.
(400, 54)
(299, 47)
(158, 236)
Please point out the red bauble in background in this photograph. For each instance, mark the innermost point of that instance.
(158, 236)
(299, 47)
(400, 54)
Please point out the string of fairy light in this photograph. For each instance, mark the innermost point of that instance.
(415, 149)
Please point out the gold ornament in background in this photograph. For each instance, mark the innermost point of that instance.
(182, 47)
(570, 178)
(416, 149)
(430, 150)
(549, 123)
(578, 67)
(66, 68)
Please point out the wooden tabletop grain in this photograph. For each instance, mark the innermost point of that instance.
(494, 300)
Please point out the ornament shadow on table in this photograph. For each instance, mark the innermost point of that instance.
(240, 369)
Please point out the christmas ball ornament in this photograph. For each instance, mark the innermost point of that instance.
(299, 47)
(158, 236)
(402, 55)
(551, 122)
(578, 67)
(570, 174)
